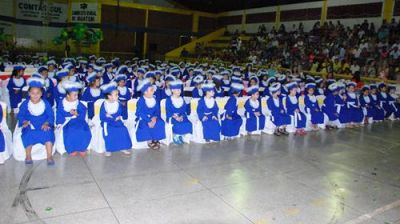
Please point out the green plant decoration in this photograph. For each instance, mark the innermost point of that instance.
(79, 34)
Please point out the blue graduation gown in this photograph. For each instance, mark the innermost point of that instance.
(90, 99)
(332, 108)
(389, 105)
(312, 107)
(116, 135)
(197, 93)
(353, 109)
(2, 139)
(278, 112)
(15, 92)
(219, 93)
(49, 91)
(299, 117)
(106, 78)
(178, 127)
(366, 105)
(33, 134)
(59, 93)
(123, 99)
(254, 123)
(76, 131)
(226, 85)
(143, 116)
(211, 127)
(165, 93)
(231, 123)
(379, 112)
(136, 92)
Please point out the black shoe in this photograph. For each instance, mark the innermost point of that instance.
(284, 132)
(277, 133)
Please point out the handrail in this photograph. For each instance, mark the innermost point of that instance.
(313, 73)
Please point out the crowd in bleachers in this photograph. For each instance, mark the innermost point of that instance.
(363, 50)
(113, 106)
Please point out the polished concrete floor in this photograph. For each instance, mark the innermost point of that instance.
(327, 177)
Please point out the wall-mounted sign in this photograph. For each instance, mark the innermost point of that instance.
(84, 12)
(41, 11)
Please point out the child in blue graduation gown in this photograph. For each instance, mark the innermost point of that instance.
(59, 91)
(37, 121)
(255, 120)
(15, 85)
(207, 111)
(293, 109)
(379, 112)
(176, 113)
(71, 117)
(116, 135)
(124, 94)
(108, 74)
(312, 108)
(392, 99)
(232, 121)
(197, 91)
(275, 104)
(135, 83)
(150, 126)
(2, 139)
(366, 104)
(151, 76)
(226, 82)
(166, 92)
(384, 100)
(92, 93)
(353, 108)
(332, 107)
(48, 85)
(219, 91)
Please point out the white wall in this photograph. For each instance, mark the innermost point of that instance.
(308, 24)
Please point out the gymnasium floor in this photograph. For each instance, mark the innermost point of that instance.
(327, 177)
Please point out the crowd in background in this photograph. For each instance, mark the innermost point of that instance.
(363, 50)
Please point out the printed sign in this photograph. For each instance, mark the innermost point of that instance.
(84, 12)
(41, 11)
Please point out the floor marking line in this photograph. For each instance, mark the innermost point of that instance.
(376, 212)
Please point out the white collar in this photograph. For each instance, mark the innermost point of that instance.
(150, 102)
(276, 101)
(111, 107)
(367, 99)
(18, 82)
(254, 103)
(60, 89)
(95, 92)
(168, 92)
(312, 98)
(210, 102)
(351, 95)
(177, 102)
(293, 99)
(122, 90)
(68, 106)
(36, 109)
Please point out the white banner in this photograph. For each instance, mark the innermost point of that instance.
(39, 10)
(84, 12)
